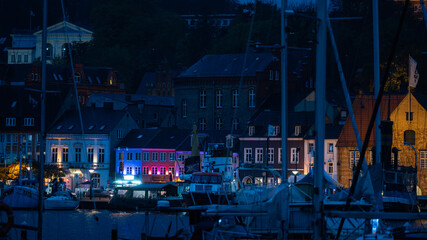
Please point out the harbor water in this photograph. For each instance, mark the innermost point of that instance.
(98, 224)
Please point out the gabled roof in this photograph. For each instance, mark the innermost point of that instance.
(23, 41)
(362, 108)
(160, 138)
(148, 80)
(95, 121)
(64, 27)
(19, 103)
(229, 65)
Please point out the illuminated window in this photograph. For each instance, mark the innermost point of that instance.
(172, 156)
(279, 155)
(64, 154)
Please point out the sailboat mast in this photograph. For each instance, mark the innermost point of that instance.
(42, 127)
(320, 118)
(376, 44)
(284, 118)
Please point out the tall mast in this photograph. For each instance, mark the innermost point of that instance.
(376, 44)
(284, 118)
(42, 128)
(320, 118)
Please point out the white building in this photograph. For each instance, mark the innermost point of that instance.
(330, 151)
(88, 155)
(26, 47)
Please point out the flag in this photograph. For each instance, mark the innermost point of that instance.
(413, 73)
(32, 14)
(270, 130)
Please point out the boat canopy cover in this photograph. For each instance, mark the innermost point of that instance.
(328, 182)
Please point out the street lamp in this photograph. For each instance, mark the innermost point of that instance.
(295, 173)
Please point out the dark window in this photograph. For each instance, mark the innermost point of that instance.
(409, 136)
(409, 116)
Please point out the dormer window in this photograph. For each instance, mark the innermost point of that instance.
(10, 122)
(276, 130)
(271, 75)
(297, 130)
(59, 127)
(34, 77)
(77, 78)
(343, 114)
(251, 130)
(111, 81)
(28, 122)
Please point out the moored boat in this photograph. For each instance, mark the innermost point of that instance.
(21, 197)
(206, 189)
(145, 196)
(62, 200)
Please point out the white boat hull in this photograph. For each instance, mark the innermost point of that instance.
(61, 204)
(21, 197)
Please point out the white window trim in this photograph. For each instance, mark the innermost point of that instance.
(259, 155)
(247, 155)
(294, 156)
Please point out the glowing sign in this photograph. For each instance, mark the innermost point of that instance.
(128, 177)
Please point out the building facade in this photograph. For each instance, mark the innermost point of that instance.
(26, 47)
(209, 93)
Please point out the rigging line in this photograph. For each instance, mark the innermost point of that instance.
(72, 70)
(244, 60)
(374, 113)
